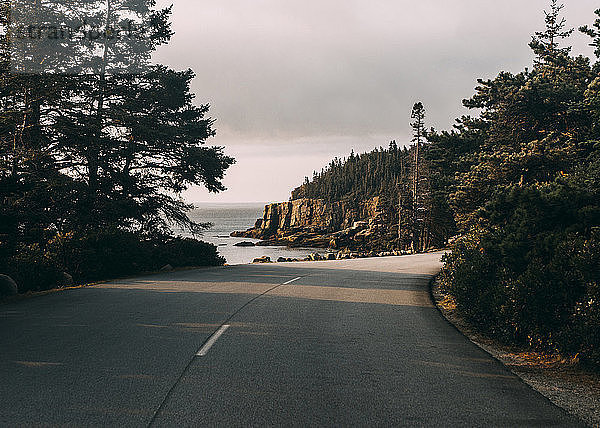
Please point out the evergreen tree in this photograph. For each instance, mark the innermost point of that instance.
(546, 44)
(594, 33)
(87, 145)
(418, 196)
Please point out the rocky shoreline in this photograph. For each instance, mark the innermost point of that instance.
(355, 227)
(339, 255)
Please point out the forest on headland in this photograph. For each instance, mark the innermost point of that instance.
(93, 159)
(517, 187)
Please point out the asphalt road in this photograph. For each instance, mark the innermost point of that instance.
(345, 343)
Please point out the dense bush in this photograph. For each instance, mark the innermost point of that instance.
(32, 269)
(103, 254)
(100, 254)
(527, 201)
(531, 275)
(180, 252)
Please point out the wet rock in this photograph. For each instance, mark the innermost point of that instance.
(263, 259)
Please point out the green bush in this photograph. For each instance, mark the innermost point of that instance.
(32, 270)
(585, 334)
(112, 252)
(180, 252)
(101, 254)
(529, 273)
(471, 276)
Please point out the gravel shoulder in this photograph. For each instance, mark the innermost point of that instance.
(562, 381)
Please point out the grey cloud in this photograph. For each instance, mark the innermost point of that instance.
(275, 71)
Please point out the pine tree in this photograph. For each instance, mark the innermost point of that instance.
(103, 146)
(546, 44)
(419, 134)
(594, 33)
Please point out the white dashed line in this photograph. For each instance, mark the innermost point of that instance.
(292, 280)
(204, 350)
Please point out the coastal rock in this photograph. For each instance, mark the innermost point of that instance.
(263, 259)
(244, 244)
(369, 225)
(8, 287)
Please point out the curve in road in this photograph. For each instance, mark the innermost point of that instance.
(354, 342)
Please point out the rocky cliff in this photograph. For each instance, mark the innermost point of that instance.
(365, 225)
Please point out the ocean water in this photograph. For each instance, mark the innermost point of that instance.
(227, 218)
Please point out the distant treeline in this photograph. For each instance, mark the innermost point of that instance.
(358, 176)
(519, 184)
(92, 163)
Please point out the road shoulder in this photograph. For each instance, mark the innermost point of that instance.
(561, 381)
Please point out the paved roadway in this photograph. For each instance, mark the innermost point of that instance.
(348, 343)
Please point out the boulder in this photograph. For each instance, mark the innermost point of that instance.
(331, 256)
(8, 287)
(244, 244)
(263, 259)
(282, 260)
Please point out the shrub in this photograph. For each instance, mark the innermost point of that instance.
(111, 252)
(585, 334)
(179, 252)
(32, 270)
(101, 254)
(471, 276)
(530, 274)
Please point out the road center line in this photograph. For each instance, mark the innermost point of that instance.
(292, 280)
(204, 350)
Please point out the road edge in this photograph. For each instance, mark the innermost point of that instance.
(566, 400)
(5, 300)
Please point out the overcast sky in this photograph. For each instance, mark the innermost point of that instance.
(293, 83)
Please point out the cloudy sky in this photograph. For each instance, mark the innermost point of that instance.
(293, 83)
